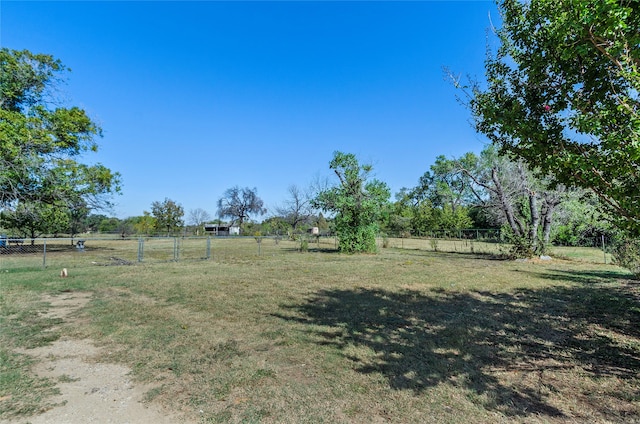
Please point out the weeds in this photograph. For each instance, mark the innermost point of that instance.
(325, 337)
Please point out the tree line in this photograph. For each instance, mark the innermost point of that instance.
(486, 190)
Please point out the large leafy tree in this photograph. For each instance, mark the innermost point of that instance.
(440, 200)
(144, 224)
(32, 219)
(240, 204)
(447, 186)
(357, 201)
(526, 204)
(563, 93)
(168, 215)
(40, 139)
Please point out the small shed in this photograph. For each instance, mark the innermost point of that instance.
(222, 229)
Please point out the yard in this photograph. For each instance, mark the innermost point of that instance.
(408, 335)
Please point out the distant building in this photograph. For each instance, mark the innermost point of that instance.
(222, 229)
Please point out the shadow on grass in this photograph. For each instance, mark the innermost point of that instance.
(421, 340)
(312, 249)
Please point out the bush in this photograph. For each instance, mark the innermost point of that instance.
(434, 244)
(627, 254)
(304, 244)
(361, 239)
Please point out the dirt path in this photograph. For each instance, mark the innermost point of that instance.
(91, 392)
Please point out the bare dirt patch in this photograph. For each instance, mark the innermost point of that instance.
(90, 391)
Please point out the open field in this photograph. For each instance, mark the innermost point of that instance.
(408, 335)
(62, 253)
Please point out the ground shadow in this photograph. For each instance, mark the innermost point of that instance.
(423, 339)
(312, 250)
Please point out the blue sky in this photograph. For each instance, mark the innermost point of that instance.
(198, 97)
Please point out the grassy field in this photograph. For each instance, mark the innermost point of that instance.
(408, 335)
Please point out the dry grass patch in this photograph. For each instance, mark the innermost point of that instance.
(403, 336)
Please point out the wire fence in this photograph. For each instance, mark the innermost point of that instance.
(104, 251)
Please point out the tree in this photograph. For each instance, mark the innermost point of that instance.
(109, 225)
(78, 214)
(239, 204)
(527, 204)
(275, 225)
(448, 186)
(39, 142)
(563, 94)
(297, 208)
(31, 219)
(440, 201)
(168, 215)
(580, 221)
(144, 224)
(198, 217)
(357, 201)
(93, 222)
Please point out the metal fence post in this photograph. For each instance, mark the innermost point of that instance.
(208, 254)
(175, 249)
(44, 254)
(140, 249)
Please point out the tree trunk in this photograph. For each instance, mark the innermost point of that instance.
(550, 203)
(506, 206)
(535, 220)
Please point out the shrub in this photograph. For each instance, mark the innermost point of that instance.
(434, 244)
(627, 254)
(304, 244)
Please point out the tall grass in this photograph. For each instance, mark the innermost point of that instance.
(408, 335)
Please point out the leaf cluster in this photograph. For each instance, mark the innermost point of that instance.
(40, 140)
(358, 202)
(563, 94)
(168, 215)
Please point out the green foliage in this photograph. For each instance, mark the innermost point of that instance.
(276, 225)
(627, 254)
(522, 200)
(30, 219)
(38, 143)
(78, 218)
(453, 219)
(168, 215)
(144, 224)
(357, 202)
(563, 94)
(440, 201)
(519, 245)
(304, 244)
(434, 244)
(580, 221)
(109, 225)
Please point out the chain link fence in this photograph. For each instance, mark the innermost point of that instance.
(103, 251)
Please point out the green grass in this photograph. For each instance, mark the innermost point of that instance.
(22, 327)
(408, 335)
